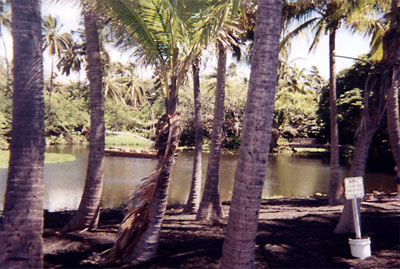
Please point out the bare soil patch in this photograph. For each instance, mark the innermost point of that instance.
(292, 233)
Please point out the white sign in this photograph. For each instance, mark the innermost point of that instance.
(354, 187)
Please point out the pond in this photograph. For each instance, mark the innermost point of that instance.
(287, 176)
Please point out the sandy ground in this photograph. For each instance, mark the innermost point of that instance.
(292, 233)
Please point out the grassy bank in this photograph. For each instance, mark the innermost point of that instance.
(49, 158)
(127, 140)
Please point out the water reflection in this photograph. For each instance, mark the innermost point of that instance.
(288, 176)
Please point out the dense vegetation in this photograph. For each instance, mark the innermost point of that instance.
(301, 108)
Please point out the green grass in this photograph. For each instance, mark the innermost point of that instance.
(49, 158)
(126, 140)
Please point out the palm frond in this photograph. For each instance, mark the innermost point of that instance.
(135, 220)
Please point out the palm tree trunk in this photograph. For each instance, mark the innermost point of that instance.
(373, 112)
(21, 241)
(192, 205)
(88, 211)
(240, 239)
(346, 222)
(210, 205)
(391, 56)
(335, 191)
(374, 107)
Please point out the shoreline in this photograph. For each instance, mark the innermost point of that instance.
(285, 225)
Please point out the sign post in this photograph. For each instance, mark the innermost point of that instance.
(354, 188)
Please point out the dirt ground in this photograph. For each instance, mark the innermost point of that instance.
(292, 233)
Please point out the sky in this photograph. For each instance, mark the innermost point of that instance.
(347, 44)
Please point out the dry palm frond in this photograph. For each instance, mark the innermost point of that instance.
(136, 218)
(137, 212)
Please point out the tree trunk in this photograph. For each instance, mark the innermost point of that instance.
(392, 115)
(346, 222)
(192, 205)
(138, 236)
(210, 205)
(22, 222)
(146, 246)
(335, 191)
(374, 107)
(239, 243)
(391, 58)
(382, 82)
(88, 212)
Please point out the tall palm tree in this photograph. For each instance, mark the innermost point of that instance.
(239, 243)
(383, 82)
(22, 223)
(5, 23)
(87, 215)
(193, 202)
(165, 34)
(54, 43)
(210, 205)
(324, 16)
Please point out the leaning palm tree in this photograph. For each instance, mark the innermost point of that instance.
(381, 92)
(22, 220)
(324, 17)
(165, 34)
(240, 239)
(87, 215)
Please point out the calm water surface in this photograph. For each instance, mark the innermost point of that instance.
(288, 176)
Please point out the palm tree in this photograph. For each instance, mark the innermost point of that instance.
(22, 222)
(383, 83)
(5, 23)
(54, 43)
(210, 205)
(165, 34)
(324, 16)
(239, 243)
(72, 59)
(193, 202)
(88, 212)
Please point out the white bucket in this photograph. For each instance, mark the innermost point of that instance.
(360, 248)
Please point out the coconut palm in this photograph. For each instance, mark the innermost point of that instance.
(239, 243)
(54, 42)
(193, 202)
(72, 59)
(325, 16)
(22, 221)
(381, 87)
(89, 207)
(210, 205)
(165, 34)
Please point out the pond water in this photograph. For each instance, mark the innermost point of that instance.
(287, 176)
